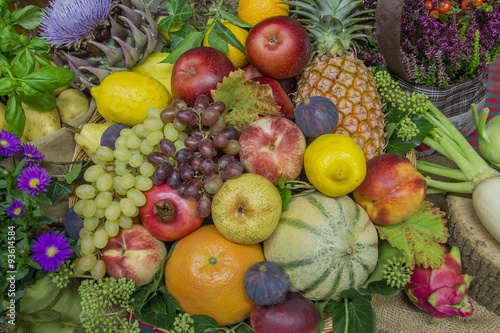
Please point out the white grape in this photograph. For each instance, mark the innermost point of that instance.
(146, 169)
(136, 160)
(87, 245)
(90, 223)
(93, 172)
(122, 155)
(112, 212)
(127, 207)
(87, 262)
(103, 199)
(152, 112)
(137, 197)
(143, 183)
(104, 182)
(100, 238)
(145, 148)
(154, 137)
(112, 228)
(125, 221)
(99, 270)
(85, 191)
(153, 123)
(118, 186)
(127, 181)
(104, 153)
(170, 132)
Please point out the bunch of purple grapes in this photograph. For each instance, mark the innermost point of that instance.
(209, 157)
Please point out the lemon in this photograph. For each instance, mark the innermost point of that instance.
(155, 68)
(238, 58)
(124, 97)
(335, 164)
(177, 26)
(254, 11)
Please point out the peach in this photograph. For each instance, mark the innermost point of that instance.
(134, 254)
(392, 191)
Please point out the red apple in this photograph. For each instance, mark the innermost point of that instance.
(134, 254)
(278, 47)
(251, 72)
(280, 96)
(197, 72)
(392, 191)
(273, 146)
(296, 314)
(167, 215)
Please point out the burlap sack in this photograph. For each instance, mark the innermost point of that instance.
(396, 314)
(58, 147)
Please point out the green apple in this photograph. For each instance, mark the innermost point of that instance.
(247, 209)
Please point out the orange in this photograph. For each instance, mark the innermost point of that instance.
(254, 11)
(205, 274)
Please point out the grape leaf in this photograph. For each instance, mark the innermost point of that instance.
(246, 101)
(420, 237)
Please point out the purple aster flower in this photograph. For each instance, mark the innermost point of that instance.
(15, 209)
(33, 179)
(31, 153)
(9, 143)
(66, 21)
(51, 250)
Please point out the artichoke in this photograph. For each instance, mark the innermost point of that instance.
(99, 37)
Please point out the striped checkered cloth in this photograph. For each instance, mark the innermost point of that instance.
(492, 97)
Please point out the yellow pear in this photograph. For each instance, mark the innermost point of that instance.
(88, 136)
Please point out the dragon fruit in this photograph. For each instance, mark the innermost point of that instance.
(441, 292)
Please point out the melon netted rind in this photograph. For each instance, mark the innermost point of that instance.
(325, 245)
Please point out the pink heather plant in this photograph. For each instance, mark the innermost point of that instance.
(438, 52)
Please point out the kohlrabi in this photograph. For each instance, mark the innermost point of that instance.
(489, 136)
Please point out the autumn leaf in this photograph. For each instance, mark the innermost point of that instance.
(420, 237)
(246, 101)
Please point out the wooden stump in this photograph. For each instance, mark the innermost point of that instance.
(479, 250)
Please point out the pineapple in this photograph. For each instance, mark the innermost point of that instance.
(337, 74)
(95, 38)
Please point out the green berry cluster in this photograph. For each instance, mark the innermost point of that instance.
(391, 92)
(61, 277)
(183, 323)
(407, 130)
(106, 304)
(406, 103)
(396, 273)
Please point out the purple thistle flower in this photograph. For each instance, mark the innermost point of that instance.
(15, 209)
(33, 179)
(51, 250)
(9, 143)
(66, 21)
(31, 153)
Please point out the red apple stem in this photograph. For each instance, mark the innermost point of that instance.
(164, 210)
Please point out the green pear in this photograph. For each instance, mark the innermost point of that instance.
(88, 136)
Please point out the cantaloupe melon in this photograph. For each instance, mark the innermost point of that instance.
(325, 245)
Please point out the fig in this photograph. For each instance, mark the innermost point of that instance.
(72, 223)
(110, 135)
(266, 283)
(316, 116)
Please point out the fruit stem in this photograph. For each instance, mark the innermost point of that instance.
(73, 128)
(164, 210)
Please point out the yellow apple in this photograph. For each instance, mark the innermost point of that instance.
(247, 209)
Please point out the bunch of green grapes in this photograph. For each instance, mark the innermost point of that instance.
(190, 149)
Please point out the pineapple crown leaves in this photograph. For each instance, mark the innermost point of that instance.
(333, 27)
(246, 101)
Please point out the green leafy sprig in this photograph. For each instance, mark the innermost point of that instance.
(106, 305)
(188, 36)
(19, 57)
